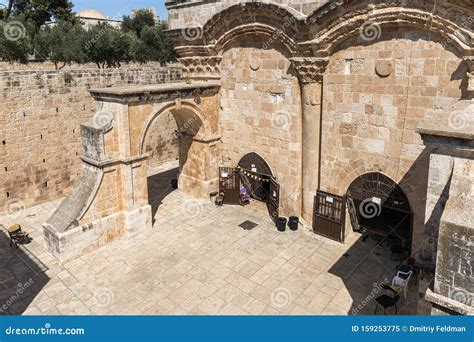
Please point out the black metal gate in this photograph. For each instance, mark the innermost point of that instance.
(229, 184)
(273, 200)
(329, 215)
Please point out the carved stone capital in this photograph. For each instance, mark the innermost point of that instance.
(208, 66)
(470, 72)
(310, 69)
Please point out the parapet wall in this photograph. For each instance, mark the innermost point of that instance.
(40, 116)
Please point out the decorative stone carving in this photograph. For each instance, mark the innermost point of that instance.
(310, 69)
(201, 66)
(384, 68)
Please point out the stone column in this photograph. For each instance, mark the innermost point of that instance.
(310, 71)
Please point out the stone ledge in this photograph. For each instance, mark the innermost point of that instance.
(108, 94)
(456, 122)
(443, 131)
(153, 89)
(448, 303)
(111, 162)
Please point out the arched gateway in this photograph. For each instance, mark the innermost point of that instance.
(110, 198)
(344, 92)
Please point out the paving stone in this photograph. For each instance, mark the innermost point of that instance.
(195, 269)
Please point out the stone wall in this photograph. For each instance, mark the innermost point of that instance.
(193, 13)
(161, 142)
(40, 116)
(454, 264)
(261, 112)
(374, 97)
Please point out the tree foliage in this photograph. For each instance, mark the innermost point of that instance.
(140, 39)
(107, 46)
(15, 40)
(41, 11)
(142, 18)
(158, 46)
(62, 43)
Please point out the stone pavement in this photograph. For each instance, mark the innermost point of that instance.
(197, 260)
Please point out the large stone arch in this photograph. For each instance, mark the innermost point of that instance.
(110, 198)
(321, 32)
(194, 133)
(312, 40)
(182, 111)
(255, 29)
(343, 32)
(339, 20)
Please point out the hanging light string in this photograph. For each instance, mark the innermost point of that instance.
(253, 175)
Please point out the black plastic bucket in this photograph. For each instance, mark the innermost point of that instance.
(293, 222)
(281, 224)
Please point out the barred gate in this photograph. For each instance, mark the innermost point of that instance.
(273, 201)
(229, 184)
(329, 215)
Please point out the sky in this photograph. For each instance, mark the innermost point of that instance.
(115, 9)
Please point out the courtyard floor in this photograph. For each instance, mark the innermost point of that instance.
(197, 260)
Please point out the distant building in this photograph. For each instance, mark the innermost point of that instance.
(91, 18)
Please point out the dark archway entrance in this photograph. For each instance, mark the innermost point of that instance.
(254, 174)
(378, 204)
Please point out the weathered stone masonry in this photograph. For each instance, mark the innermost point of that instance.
(40, 116)
(369, 74)
(322, 99)
(110, 198)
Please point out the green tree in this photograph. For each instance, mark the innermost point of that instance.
(62, 43)
(5, 12)
(158, 46)
(106, 46)
(142, 18)
(15, 42)
(42, 11)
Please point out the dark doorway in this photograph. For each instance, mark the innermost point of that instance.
(257, 178)
(378, 204)
(159, 186)
(254, 174)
